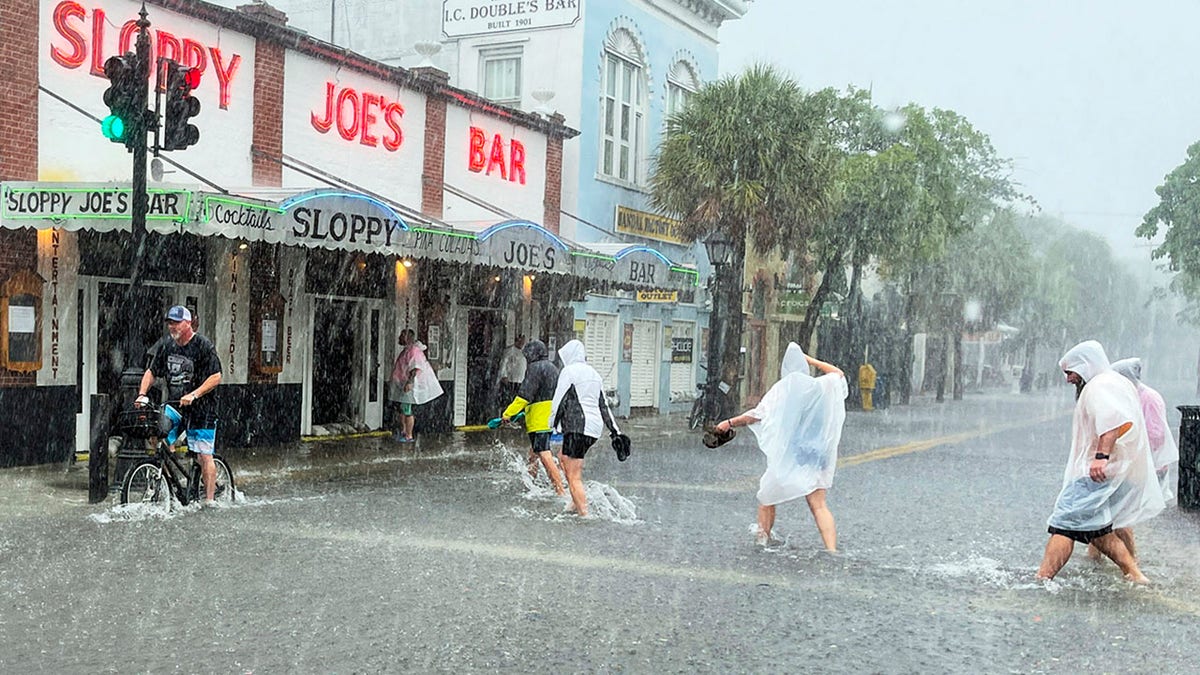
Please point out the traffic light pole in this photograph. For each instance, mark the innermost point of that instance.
(132, 374)
(132, 313)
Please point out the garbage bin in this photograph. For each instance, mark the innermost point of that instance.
(1189, 457)
(882, 396)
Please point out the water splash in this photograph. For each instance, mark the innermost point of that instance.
(993, 573)
(604, 501)
(142, 512)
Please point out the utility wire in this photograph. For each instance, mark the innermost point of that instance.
(478, 202)
(92, 117)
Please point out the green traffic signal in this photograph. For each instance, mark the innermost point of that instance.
(113, 128)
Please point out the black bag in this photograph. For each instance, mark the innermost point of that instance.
(715, 439)
(622, 446)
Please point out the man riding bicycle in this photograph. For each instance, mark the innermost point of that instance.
(190, 365)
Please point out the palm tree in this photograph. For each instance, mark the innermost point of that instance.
(748, 156)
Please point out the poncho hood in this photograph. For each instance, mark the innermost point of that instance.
(572, 352)
(1086, 359)
(793, 361)
(1130, 368)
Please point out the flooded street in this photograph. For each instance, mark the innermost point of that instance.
(446, 558)
(878, 296)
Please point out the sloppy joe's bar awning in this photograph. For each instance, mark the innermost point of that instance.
(336, 219)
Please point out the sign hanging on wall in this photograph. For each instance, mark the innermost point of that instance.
(461, 18)
(649, 225)
(95, 207)
(658, 296)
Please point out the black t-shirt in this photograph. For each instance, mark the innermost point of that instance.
(184, 368)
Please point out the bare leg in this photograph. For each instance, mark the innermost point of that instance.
(1126, 536)
(824, 519)
(1113, 546)
(551, 471)
(574, 470)
(766, 521)
(208, 474)
(409, 421)
(1058, 552)
(531, 464)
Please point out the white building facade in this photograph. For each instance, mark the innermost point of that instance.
(615, 70)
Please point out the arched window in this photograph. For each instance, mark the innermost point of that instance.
(622, 108)
(682, 82)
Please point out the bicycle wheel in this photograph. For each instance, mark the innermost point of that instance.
(145, 484)
(697, 416)
(224, 491)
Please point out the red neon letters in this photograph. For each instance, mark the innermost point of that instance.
(354, 116)
(70, 20)
(494, 158)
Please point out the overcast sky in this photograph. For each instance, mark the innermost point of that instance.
(1094, 101)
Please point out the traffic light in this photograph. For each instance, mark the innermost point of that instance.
(120, 123)
(181, 106)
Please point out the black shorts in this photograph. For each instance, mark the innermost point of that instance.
(539, 441)
(1081, 536)
(576, 446)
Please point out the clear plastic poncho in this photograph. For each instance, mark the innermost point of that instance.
(425, 383)
(1163, 449)
(1130, 493)
(799, 426)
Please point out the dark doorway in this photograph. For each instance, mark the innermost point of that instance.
(485, 345)
(333, 361)
(146, 320)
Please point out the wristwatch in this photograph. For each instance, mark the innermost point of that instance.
(1101, 455)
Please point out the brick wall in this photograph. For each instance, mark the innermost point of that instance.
(553, 199)
(433, 175)
(268, 118)
(18, 90)
(18, 134)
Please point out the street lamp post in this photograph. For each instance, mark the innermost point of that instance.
(720, 249)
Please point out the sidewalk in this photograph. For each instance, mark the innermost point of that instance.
(23, 489)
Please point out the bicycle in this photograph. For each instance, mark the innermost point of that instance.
(163, 475)
(700, 407)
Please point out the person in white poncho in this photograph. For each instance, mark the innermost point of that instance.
(1109, 483)
(1163, 449)
(798, 425)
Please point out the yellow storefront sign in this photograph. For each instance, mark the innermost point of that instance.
(649, 225)
(658, 296)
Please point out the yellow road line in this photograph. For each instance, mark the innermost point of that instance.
(928, 444)
(742, 484)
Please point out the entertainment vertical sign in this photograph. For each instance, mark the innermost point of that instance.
(58, 265)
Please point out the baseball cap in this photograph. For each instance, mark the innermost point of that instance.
(179, 313)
